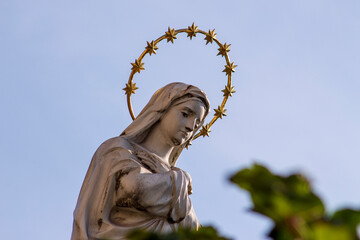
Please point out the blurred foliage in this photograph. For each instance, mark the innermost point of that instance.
(204, 233)
(294, 208)
(296, 211)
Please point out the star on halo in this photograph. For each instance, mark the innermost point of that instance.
(188, 144)
(137, 66)
(224, 49)
(191, 31)
(229, 68)
(220, 112)
(151, 48)
(210, 36)
(170, 35)
(130, 88)
(205, 130)
(228, 91)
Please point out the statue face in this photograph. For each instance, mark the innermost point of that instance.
(180, 121)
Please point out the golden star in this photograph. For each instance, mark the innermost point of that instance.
(210, 36)
(220, 112)
(223, 49)
(188, 144)
(130, 88)
(228, 91)
(137, 66)
(229, 68)
(151, 47)
(170, 35)
(191, 31)
(205, 130)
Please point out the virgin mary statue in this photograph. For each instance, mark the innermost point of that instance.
(132, 181)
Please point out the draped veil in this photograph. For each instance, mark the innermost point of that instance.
(159, 103)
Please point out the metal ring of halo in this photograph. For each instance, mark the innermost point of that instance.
(170, 35)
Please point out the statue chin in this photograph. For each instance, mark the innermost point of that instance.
(176, 142)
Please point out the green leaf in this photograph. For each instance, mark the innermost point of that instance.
(204, 233)
(327, 231)
(347, 216)
(279, 197)
(143, 235)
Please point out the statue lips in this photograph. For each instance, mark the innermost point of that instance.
(185, 134)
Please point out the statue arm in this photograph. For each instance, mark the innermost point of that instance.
(166, 194)
(159, 194)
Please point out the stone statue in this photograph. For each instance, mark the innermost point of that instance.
(132, 181)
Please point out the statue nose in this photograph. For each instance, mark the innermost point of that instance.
(190, 126)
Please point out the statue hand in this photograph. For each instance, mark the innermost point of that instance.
(189, 184)
(188, 178)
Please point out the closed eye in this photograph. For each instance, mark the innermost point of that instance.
(185, 114)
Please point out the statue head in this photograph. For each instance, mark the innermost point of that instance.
(161, 111)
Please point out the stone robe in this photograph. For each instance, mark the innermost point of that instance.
(127, 187)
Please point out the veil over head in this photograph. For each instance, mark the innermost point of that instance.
(160, 102)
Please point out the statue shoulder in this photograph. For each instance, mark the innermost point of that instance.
(116, 142)
(119, 144)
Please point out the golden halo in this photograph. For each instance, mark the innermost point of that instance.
(170, 35)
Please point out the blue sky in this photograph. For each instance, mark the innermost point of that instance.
(63, 65)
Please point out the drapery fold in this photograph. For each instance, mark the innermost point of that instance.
(120, 193)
